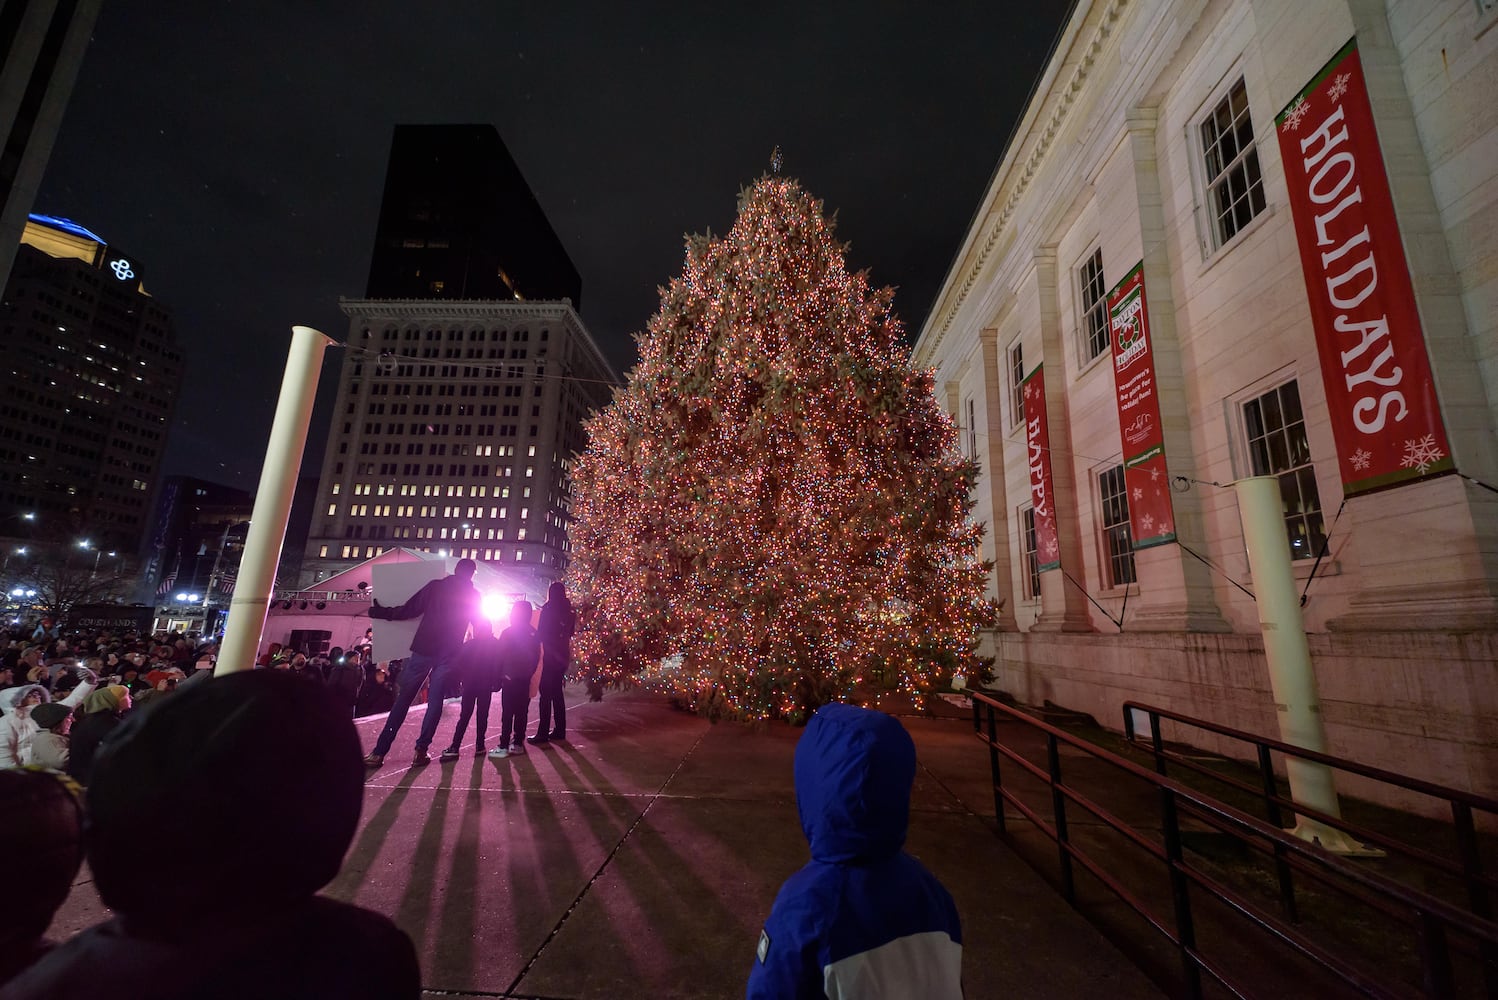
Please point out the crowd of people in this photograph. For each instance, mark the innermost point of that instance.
(258, 826)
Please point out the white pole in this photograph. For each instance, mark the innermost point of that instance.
(283, 459)
(1291, 677)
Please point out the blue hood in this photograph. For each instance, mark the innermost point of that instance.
(854, 771)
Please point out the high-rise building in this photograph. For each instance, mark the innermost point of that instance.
(455, 430)
(86, 397)
(458, 221)
(468, 374)
(41, 48)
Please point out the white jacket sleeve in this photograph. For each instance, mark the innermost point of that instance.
(10, 743)
(82, 691)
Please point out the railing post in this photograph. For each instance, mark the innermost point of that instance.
(1157, 742)
(1180, 893)
(998, 777)
(1477, 892)
(1435, 959)
(1272, 810)
(1058, 812)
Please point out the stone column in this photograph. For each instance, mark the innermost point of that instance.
(992, 450)
(1175, 589)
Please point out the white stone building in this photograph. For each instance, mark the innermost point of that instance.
(1151, 139)
(455, 429)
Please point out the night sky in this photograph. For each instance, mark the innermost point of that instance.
(238, 150)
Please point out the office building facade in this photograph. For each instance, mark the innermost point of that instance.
(86, 398)
(455, 430)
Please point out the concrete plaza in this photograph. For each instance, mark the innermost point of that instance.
(641, 857)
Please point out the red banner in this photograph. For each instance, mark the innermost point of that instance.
(1384, 412)
(1151, 517)
(1042, 493)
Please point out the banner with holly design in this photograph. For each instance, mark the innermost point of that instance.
(1385, 415)
(1042, 492)
(1151, 516)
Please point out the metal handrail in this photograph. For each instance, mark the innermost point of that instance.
(1462, 803)
(1433, 919)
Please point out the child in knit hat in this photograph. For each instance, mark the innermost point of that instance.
(50, 746)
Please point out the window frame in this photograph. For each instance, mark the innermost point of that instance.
(1029, 550)
(1015, 358)
(1208, 235)
(1085, 334)
(1110, 474)
(1244, 456)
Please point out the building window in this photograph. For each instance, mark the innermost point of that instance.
(1277, 446)
(1016, 385)
(1118, 545)
(1235, 187)
(1031, 580)
(1094, 324)
(972, 429)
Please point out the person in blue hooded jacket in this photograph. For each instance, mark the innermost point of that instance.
(863, 918)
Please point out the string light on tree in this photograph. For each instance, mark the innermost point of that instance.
(772, 513)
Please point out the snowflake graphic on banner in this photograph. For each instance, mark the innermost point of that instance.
(1147, 522)
(1421, 454)
(1030, 391)
(1155, 475)
(1048, 549)
(1339, 87)
(1296, 114)
(1138, 493)
(1360, 459)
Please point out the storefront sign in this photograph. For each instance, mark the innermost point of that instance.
(1042, 492)
(1385, 416)
(1151, 517)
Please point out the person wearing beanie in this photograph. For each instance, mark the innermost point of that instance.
(103, 712)
(17, 730)
(862, 918)
(50, 747)
(259, 826)
(42, 837)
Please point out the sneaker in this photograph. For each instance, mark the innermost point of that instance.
(451, 753)
(498, 752)
(537, 740)
(517, 748)
(374, 760)
(420, 759)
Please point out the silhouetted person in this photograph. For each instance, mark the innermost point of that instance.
(41, 838)
(558, 622)
(863, 918)
(479, 665)
(253, 783)
(446, 608)
(520, 655)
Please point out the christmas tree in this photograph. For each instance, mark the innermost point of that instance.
(772, 514)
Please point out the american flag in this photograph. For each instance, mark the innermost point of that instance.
(170, 579)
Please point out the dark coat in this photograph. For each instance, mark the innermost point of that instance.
(447, 607)
(558, 622)
(480, 664)
(520, 652)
